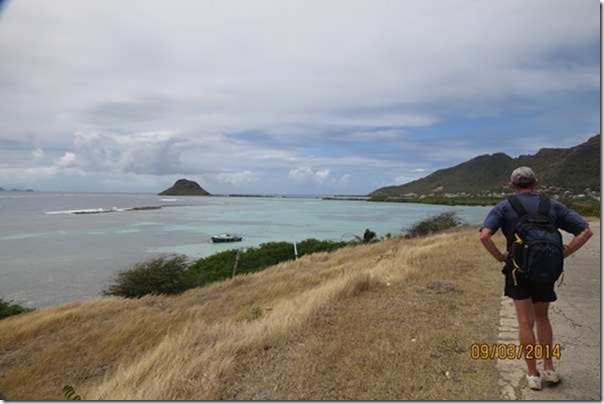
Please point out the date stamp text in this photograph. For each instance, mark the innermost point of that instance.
(484, 351)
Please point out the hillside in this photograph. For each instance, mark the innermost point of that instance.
(185, 187)
(572, 169)
(391, 320)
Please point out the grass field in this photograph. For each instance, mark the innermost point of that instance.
(390, 320)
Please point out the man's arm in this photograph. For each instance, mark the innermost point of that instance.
(577, 242)
(487, 242)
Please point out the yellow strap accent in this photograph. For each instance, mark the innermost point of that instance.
(516, 268)
(518, 241)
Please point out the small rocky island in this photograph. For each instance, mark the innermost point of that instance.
(15, 190)
(185, 187)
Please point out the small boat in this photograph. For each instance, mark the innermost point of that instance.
(226, 238)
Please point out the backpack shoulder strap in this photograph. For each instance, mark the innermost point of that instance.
(544, 205)
(517, 205)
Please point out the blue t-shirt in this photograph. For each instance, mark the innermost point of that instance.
(504, 216)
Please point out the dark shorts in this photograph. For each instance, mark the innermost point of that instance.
(526, 289)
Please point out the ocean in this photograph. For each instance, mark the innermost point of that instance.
(60, 247)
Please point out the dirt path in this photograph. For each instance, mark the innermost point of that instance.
(575, 318)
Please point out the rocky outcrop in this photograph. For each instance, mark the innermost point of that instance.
(185, 187)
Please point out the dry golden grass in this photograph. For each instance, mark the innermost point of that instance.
(209, 343)
(406, 341)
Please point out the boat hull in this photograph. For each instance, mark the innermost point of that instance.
(218, 239)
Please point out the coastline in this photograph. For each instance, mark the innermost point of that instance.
(585, 207)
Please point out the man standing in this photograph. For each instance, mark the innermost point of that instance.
(531, 299)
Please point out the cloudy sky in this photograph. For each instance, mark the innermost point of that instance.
(304, 97)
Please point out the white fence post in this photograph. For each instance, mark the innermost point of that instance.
(295, 250)
(236, 262)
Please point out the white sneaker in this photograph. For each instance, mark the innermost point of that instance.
(534, 382)
(551, 376)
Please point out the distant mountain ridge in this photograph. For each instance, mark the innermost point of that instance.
(15, 190)
(573, 169)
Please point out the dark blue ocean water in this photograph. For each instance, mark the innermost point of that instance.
(50, 255)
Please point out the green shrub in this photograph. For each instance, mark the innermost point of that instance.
(162, 275)
(210, 269)
(265, 255)
(220, 266)
(434, 224)
(172, 274)
(312, 245)
(584, 207)
(440, 200)
(8, 308)
(378, 198)
(369, 236)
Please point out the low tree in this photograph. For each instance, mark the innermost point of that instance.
(369, 236)
(161, 275)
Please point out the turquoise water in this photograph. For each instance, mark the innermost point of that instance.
(50, 255)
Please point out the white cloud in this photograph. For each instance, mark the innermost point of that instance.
(238, 178)
(138, 153)
(376, 135)
(402, 179)
(231, 65)
(344, 179)
(307, 174)
(163, 95)
(67, 160)
(145, 138)
(321, 180)
(25, 177)
(37, 154)
(378, 118)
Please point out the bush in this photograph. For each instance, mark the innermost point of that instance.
(265, 255)
(172, 274)
(210, 269)
(369, 236)
(585, 207)
(254, 259)
(161, 275)
(312, 245)
(8, 308)
(434, 224)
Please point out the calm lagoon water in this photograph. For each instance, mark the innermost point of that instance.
(50, 255)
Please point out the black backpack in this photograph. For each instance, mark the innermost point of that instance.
(536, 252)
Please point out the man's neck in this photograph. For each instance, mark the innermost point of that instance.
(525, 191)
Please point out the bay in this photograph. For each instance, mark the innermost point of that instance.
(49, 254)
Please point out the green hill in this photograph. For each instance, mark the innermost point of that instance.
(573, 169)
